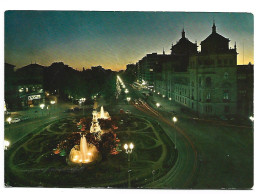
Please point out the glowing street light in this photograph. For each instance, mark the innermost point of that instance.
(6, 144)
(251, 118)
(163, 96)
(170, 98)
(158, 105)
(174, 121)
(128, 99)
(52, 102)
(131, 146)
(129, 149)
(9, 119)
(42, 106)
(82, 100)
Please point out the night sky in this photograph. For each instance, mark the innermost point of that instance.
(113, 39)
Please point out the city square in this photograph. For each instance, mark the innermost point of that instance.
(178, 118)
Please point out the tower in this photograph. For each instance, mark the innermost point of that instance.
(214, 29)
(183, 33)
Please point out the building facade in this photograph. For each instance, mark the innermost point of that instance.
(208, 83)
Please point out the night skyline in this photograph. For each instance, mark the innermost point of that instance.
(114, 39)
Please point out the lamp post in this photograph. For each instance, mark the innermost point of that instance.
(6, 144)
(52, 103)
(9, 119)
(42, 107)
(174, 121)
(128, 99)
(153, 172)
(82, 100)
(128, 149)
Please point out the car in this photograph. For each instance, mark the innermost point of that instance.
(15, 120)
(69, 110)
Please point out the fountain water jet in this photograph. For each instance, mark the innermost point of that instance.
(103, 114)
(83, 153)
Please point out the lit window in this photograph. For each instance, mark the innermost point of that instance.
(225, 96)
(208, 96)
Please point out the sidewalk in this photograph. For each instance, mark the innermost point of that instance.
(168, 106)
(37, 112)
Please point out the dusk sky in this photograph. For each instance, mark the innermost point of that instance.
(114, 39)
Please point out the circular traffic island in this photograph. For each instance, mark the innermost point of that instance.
(44, 158)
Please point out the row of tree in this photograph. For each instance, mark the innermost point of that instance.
(62, 80)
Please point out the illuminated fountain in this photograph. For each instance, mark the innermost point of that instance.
(83, 153)
(103, 114)
(95, 127)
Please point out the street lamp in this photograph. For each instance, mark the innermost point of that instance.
(52, 103)
(42, 106)
(9, 119)
(82, 100)
(128, 99)
(129, 149)
(158, 105)
(6, 144)
(174, 121)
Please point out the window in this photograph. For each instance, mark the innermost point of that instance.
(199, 81)
(226, 75)
(208, 97)
(225, 95)
(208, 82)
